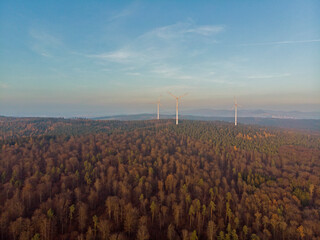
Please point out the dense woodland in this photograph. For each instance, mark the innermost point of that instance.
(82, 179)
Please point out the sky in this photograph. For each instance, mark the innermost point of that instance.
(98, 58)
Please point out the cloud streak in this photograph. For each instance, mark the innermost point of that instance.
(157, 51)
(125, 12)
(161, 56)
(118, 56)
(269, 76)
(159, 43)
(44, 43)
(280, 42)
(182, 30)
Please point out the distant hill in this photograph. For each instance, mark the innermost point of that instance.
(254, 113)
(132, 117)
(301, 124)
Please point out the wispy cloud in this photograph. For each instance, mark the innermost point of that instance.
(181, 30)
(44, 43)
(125, 12)
(165, 71)
(118, 56)
(160, 42)
(134, 73)
(269, 76)
(160, 47)
(163, 53)
(44, 37)
(280, 42)
(206, 30)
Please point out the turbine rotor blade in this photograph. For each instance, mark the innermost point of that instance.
(172, 95)
(183, 95)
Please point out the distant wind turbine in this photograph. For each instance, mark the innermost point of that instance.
(236, 111)
(158, 108)
(177, 105)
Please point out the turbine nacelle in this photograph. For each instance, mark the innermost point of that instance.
(177, 98)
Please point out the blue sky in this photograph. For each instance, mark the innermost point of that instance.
(93, 58)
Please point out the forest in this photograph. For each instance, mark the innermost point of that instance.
(90, 180)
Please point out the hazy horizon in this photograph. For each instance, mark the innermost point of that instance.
(242, 112)
(88, 59)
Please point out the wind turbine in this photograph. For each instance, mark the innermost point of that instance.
(158, 108)
(235, 111)
(177, 105)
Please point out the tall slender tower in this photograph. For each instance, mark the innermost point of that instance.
(235, 112)
(177, 111)
(158, 110)
(177, 106)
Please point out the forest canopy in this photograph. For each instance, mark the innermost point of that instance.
(85, 179)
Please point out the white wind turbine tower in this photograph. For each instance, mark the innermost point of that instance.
(158, 108)
(235, 111)
(177, 105)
